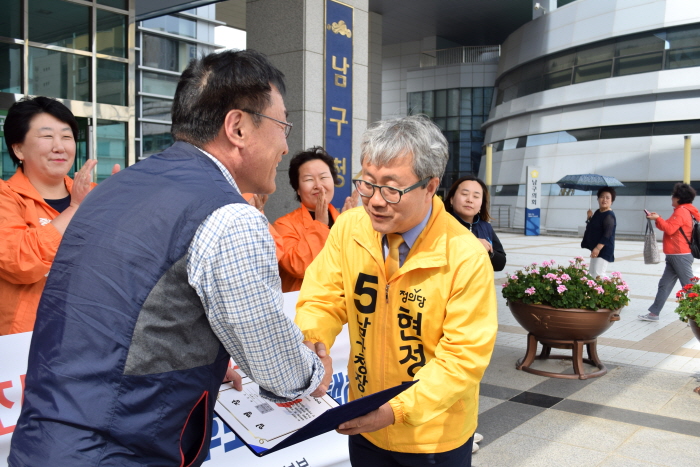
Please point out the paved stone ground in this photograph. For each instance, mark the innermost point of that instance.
(642, 413)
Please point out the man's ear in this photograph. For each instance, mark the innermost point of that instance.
(235, 129)
(432, 186)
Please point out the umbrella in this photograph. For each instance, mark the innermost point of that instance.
(588, 182)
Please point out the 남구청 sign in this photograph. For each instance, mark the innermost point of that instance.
(533, 194)
(338, 95)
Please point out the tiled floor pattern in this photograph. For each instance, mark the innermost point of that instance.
(632, 416)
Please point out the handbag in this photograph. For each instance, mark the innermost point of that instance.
(651, 248)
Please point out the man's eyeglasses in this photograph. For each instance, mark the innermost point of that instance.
(390, 194)
(287, 126)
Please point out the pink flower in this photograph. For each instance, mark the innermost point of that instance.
(514, 277)
(565, 277)
(504, 285)
(591, 283)
(599, 290)
(622, 287)
(561, 289)
(551, 276)
(534, 271)
(580, 258)
(616, 274)
(530, 291)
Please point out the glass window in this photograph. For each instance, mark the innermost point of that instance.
(683, 58)
(111, 33)
(477, 101)
(111, 147)
(167, 54)
(557, 79)
(452, 123)
(680, 38)
(530, 86)
(650, 188)
(642, 43)
(477, 122)
(440, 122)
(428, 107)
(173, 25)
(155, 83)
(111, 82)
(59, 23)
(510, 144)
(465, 104)
(122, 4)
(558, 62)
(157, 109)
(11, 73)
(635, 189)
(583, 134)
(453, 102)
(488, 99)
(507, 190)
(593, 72)
(625, 131)
(541, 139)
(59, 74)
(586, 55)
(639, 64)
(11, 20)
(156, 138)
(441, 103)
(682, 127)
(415, 103)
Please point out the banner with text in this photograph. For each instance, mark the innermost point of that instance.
(338, 95)
(533, 194)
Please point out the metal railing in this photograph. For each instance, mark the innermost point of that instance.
(500, 216)
(457, 55)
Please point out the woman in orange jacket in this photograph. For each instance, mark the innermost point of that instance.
(36, 203)
(679, 260)
(313, 176)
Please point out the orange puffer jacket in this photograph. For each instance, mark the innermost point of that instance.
(303, 238)
(29, 244)
(674, 241)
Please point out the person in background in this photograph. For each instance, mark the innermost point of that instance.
(599, 236)
(258, 202)
(679, 260)
(163, 275)
(468, 201)
(313, 175)
(416, 292)
(36, 203)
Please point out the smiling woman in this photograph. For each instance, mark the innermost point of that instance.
(36, 203)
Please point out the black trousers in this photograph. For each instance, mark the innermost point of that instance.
(365, 454)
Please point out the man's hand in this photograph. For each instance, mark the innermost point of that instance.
(589, 214)
(116, 168)
(373, 421)
(235, 379)
(320, 349)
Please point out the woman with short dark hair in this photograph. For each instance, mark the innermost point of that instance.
(679, 260)
(36, 203)
(600, 232)
(468, 201)
(313, 176)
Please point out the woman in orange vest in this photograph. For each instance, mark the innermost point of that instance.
(313, 175)
(36, 203)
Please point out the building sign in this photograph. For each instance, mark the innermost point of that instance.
(338, 95)
(533, 194)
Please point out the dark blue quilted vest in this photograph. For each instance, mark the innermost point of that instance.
(124, 368)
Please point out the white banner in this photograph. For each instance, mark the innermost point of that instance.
(330, 449)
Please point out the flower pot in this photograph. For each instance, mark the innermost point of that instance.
(695, 328)
(563, 323)
(562, 329)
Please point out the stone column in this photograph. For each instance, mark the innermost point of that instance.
(291, 33)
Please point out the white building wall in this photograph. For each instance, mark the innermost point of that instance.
(647, 97)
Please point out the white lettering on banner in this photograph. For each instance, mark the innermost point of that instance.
(225, 449)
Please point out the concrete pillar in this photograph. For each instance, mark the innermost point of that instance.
(291, 33)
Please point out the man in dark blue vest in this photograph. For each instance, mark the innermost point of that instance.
(163, 273)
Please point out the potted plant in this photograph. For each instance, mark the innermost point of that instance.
(564, 307)
(688, 309)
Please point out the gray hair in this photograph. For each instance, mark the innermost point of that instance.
(417, 135)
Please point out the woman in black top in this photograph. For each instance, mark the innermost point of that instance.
(600, 233)
(468, 202)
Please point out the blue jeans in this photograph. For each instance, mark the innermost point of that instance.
(365, 454)
(677, 267)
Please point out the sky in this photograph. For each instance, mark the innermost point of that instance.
(230, 38)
